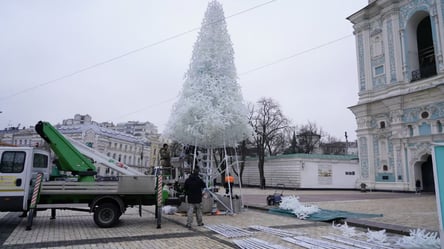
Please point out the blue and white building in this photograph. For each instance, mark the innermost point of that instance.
(400, 111)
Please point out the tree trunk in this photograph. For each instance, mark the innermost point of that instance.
(261, 156)
(261, 172)
(243, 150)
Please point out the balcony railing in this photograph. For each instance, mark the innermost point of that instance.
(424, 72)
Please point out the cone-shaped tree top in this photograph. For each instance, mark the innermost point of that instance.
(210, 111)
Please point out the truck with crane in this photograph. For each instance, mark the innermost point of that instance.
(33, 179)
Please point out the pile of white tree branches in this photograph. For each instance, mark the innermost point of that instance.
(302, 211)
(418, 238)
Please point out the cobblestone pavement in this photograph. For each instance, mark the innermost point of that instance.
(73, 229)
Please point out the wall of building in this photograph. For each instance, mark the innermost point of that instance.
(400, 111)
(307, 171)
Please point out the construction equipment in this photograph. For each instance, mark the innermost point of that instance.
(29, 181)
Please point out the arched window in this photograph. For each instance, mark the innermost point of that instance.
(426, 50)
(382, 124)
(439, 126)
(385, 168)
(421, 50)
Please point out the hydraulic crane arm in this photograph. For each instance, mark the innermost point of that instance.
(105, 160)
(70, 159)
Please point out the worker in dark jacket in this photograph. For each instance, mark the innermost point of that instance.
(193, 189)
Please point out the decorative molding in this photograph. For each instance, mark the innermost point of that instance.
(419, 150)
(413, 6)
(391, 51)
(379, 81)
(362, 122)
(391, 156)
(359, 27)
(396, 116)
(412, 115)
(376, 32)
(361, 63)
(399, 170)
(363, 157)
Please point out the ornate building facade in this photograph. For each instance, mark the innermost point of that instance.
(400, 112)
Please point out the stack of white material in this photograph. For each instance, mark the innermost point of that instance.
(302, 211)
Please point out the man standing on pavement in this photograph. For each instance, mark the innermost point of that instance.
(193, 189)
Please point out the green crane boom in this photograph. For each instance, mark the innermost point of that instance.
(69, 158)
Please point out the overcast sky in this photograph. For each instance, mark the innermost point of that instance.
(124, 61)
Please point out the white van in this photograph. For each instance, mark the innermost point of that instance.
(18, 166)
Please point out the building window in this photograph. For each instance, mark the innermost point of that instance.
(426, 51)
(382, 125)
(12, 162)
(439, 126)
(424, 115)
(421, 43)
(385, 168)
(410, 130)
(40, 161)
(379, 70)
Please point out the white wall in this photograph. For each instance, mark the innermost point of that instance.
(343, 175)
(302, 171)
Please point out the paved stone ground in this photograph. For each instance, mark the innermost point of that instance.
(404, 209)
(73, 229)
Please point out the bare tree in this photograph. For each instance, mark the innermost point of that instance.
(267, 120)
(293, 143)
(278, 142)
(309, 137)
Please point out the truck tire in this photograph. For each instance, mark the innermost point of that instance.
(106, 215)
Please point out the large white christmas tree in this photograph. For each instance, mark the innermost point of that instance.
(210, 112)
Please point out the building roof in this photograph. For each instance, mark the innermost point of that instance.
(72, 129)
(311, 156)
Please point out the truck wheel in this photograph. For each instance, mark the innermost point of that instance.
(106, 215)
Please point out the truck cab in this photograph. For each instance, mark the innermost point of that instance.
(18, 167)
